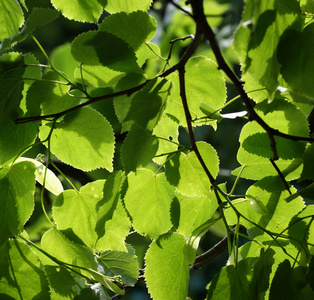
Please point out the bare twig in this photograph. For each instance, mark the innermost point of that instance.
(127, 92)
(209, 255)
(281, 176)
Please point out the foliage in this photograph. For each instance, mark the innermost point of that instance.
(118, 100)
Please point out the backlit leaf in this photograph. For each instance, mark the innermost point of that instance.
(193, 212)
(148, 200)
(48, 96)
(106, 49)
(231, 282)
(15, 138)
(37, 18)
(21, 274)
(84, 11)
(138, 149)
(17, 189)
(167, 255)
(127, 6)
(298, 63)
(145, 107)
(95, 214)
(84, 139)
(187, 174)
(52, 183)
(57, 245)
(121, 263)
(11, 18)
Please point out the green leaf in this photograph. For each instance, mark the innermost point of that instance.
(193, 212)
(205, 85)
(48, 96)
(310, 273)
(167, 132)
(232, 282)
(98, 76)
(272, 194)
(58, 246)
(307, 172)
(148, 200)
(269, 22)
(261, 274)
(138, 149)
(37, 18)
(298, 60)
(80, 10)
(95, 214)
(21, 273)
(257, 205)
(121, 263)
(283, 285)
(135, 28)
(127, 6)
(60, 280)
(307, 5)
(145, 107)
(167, 256)
(15, 138)
(186, 173)
(11, 18)
(254, 152)
(84, 139)
(106, 49)
(112, 221)
(17, 189)
(301, 228)
(77, 210)
(12, 71)
(52, 182)
(62, 59)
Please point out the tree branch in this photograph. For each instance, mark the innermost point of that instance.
(127, 92)
(202, 24)
(209, 255)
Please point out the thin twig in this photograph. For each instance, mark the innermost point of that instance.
(127, 92)
(281, 176)
(209, 255)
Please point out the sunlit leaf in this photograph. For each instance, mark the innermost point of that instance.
(187, 174)
(57, 245)
(145, 107)
(138, 149)
(84, 11)
(148, 200)
(128, 6)
(106, 49)
(167, 255)
(121, 263)
(11, 18)
(52, 183)
(84, 139)
(17, 189)
(21, 274)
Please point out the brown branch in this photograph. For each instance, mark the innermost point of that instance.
(127, 92)
(209, 255)
(281, 176)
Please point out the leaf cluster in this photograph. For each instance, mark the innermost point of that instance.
(114, 104)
